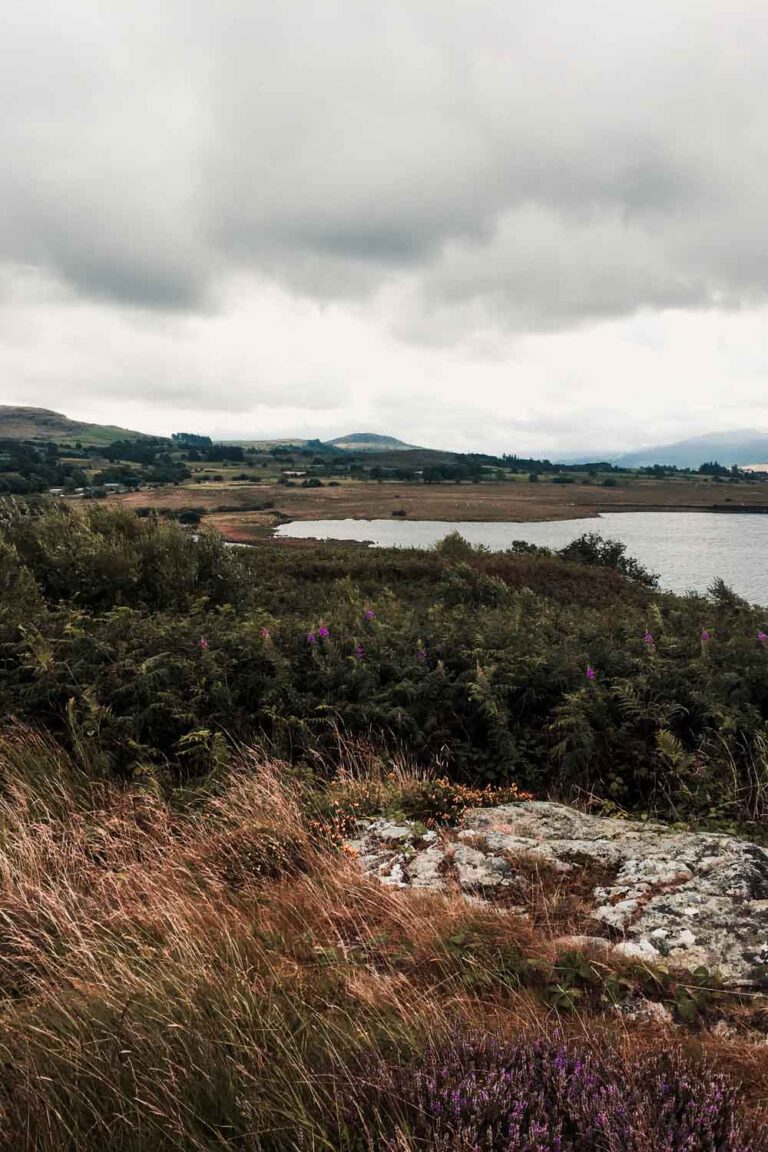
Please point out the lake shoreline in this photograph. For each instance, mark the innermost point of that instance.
(688, 550)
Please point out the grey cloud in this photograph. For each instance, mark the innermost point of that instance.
(515, 164)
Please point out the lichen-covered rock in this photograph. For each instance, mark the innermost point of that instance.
(684, 898)
(478, 870)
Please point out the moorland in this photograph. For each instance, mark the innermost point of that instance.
(192, 958)
(243, 490)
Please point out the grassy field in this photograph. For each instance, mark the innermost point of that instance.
(242, 512)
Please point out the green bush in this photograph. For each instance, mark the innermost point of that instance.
(143, 646)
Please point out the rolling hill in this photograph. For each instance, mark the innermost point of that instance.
(21, 423)
(369, 442)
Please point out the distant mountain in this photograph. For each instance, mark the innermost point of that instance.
(742, 447)
(21, 423)
(369, 442)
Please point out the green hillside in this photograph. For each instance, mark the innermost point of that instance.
(22, 423)
(369, 442)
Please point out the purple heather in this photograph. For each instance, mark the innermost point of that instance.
(552, 1096)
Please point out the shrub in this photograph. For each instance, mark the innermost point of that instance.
(476, 658)
(483, 1094)
(455, 547)
(592, 548)
(464, 585)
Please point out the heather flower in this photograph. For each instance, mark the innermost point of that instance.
(311, 638)
(648, 638)
(590, 673)
(203, 642)
(359, 652)
(369, 615)
(487, 1094)
(323, 632)
(763, 638)
(705, 636)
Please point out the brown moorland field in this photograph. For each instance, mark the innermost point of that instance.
(239, 511)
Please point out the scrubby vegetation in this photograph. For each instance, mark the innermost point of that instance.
(158, 652)
(190, 960)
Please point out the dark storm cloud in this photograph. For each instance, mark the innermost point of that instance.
(528, 165)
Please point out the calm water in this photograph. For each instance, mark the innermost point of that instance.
(687, 549)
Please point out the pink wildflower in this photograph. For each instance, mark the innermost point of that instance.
(311, 638)
(369, 614)
(323, 632)
(203, 642)
(590, 673)
(762, 638)
(705, 636)
(648, 638)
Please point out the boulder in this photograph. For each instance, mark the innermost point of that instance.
(687, 899)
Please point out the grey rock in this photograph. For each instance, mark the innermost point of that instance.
(477, 870)
(393, 833)
(681, 898)
(395, 877)
(582, 943)
(425, 869)
(650, 1010)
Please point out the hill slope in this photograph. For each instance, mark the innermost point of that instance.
(21, 423)
(370, 442)
(744, 446)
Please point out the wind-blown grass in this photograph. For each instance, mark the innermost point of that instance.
(210, 974)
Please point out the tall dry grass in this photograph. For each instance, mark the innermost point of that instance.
(211, 975)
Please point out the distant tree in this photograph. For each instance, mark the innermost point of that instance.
(191, 438)
(712, 468)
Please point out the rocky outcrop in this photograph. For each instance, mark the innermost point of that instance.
(682, 898)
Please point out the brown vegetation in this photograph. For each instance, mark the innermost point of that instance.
(215, 975)
(513, 501)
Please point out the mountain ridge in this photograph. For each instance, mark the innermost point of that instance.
(742, 446)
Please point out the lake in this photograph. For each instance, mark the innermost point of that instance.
(688, 549)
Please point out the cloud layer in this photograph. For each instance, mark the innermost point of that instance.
(453, 176)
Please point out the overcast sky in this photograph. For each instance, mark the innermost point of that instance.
(521, 225)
